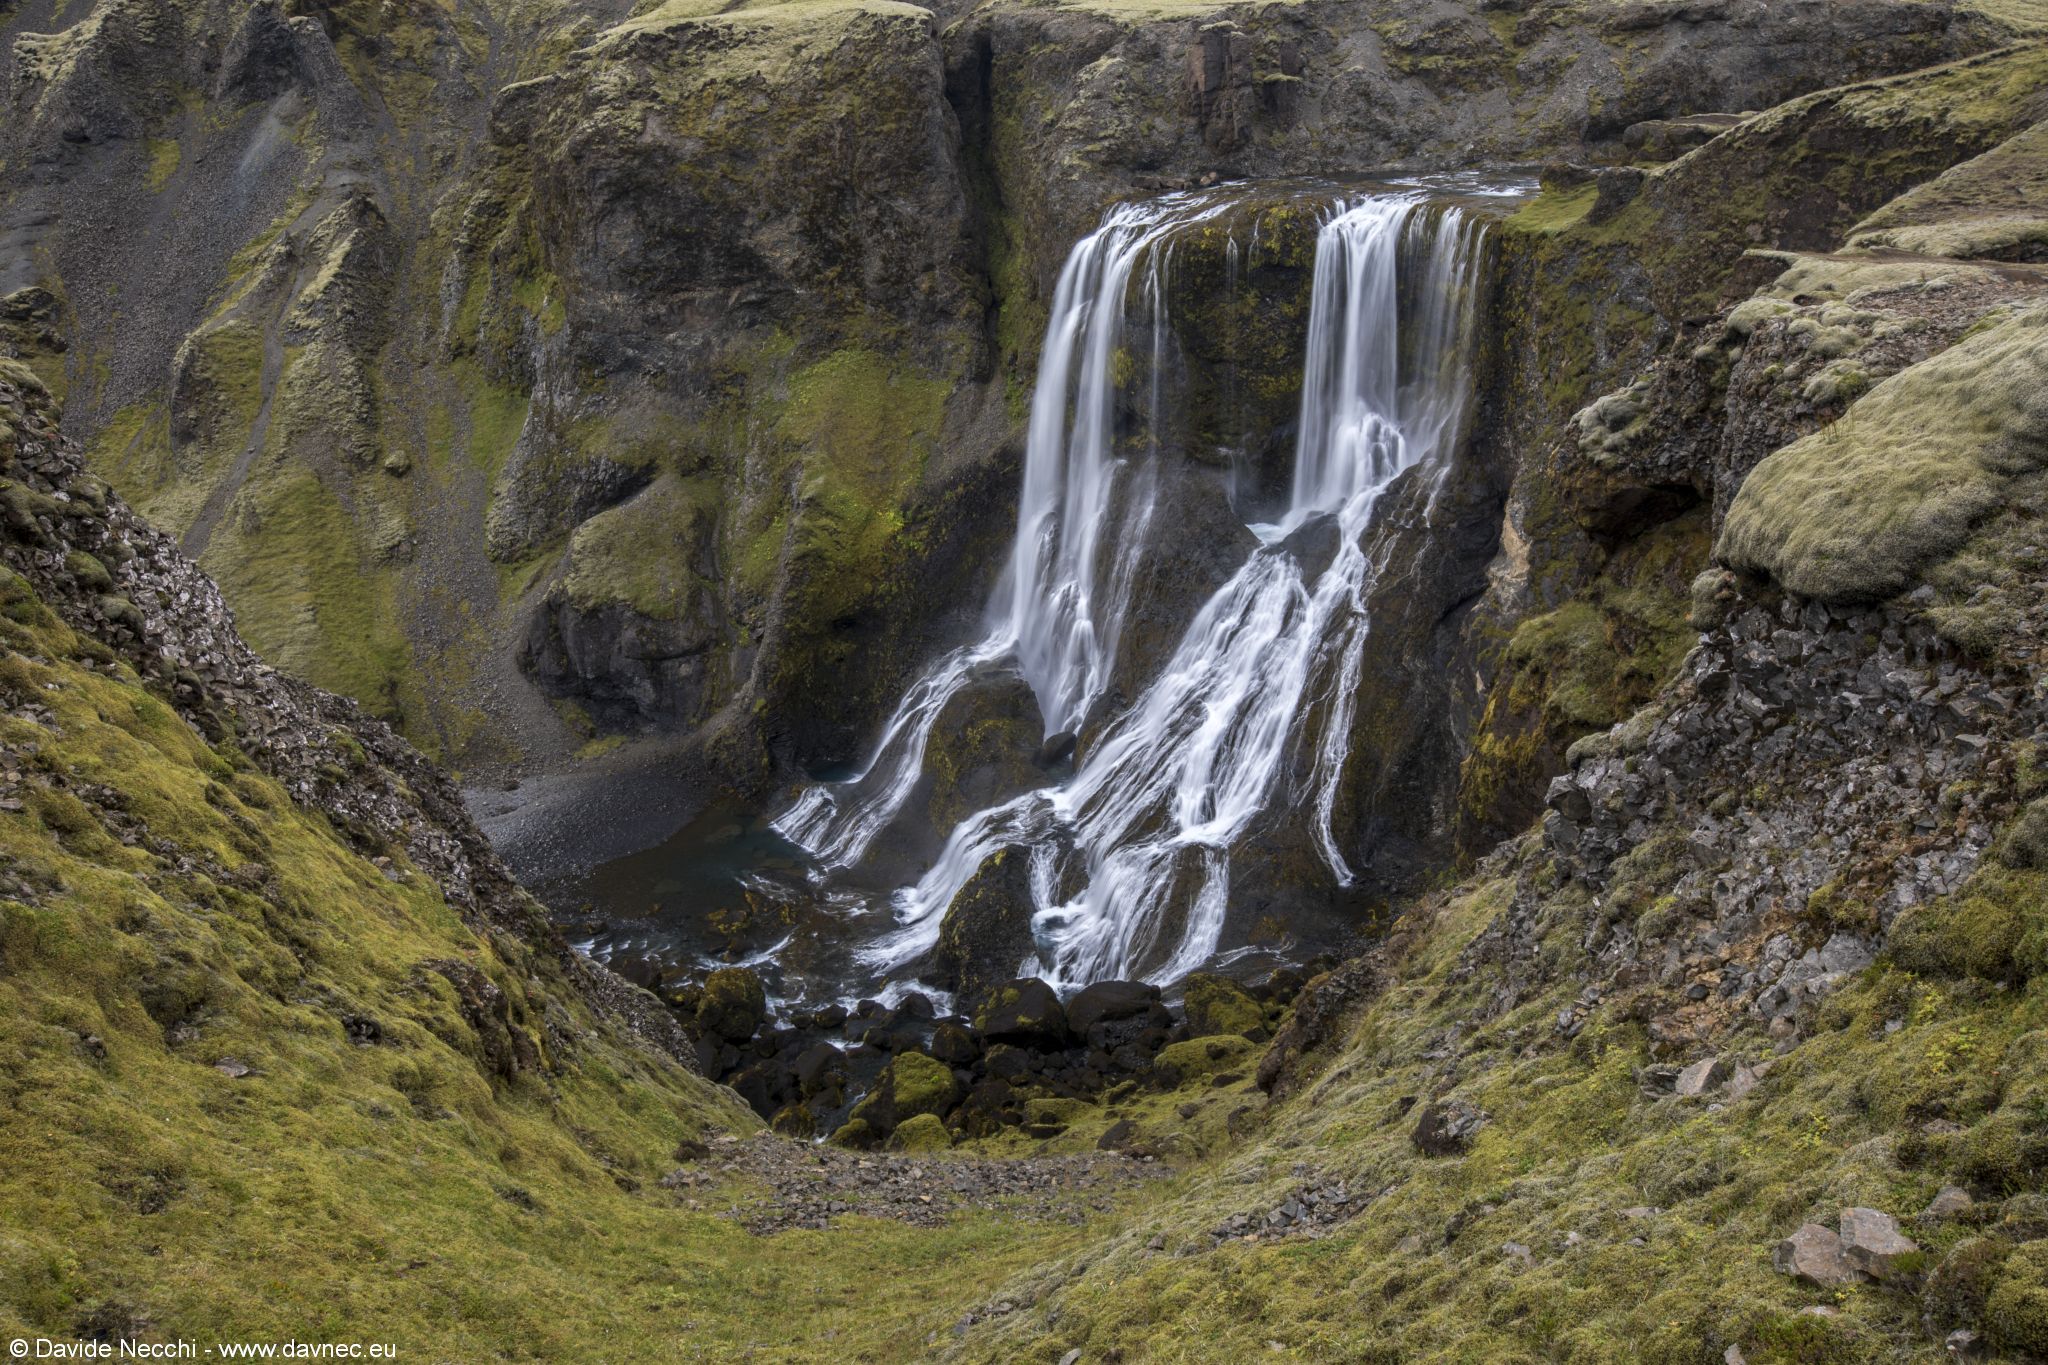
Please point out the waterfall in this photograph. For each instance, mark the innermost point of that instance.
(1130, 857)
(1081, 525)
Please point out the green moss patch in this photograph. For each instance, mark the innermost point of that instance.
(646, 553)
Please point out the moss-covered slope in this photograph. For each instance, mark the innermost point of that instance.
(284, 1055)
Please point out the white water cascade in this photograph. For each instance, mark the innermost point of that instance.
(1130, 857)
(1081, 525)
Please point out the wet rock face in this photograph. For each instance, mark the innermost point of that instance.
(985, 748)
(628, 667)
(986, 934)
(1420, 695)
(1197, 544)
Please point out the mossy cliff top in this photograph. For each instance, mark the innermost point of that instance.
(1991, 206)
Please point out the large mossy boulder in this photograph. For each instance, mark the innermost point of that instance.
(982, 749)
(986, 932)
(1179, 1063)
(912, 1084)
(920, 1133)
(733, 1006)
(1218, 1005)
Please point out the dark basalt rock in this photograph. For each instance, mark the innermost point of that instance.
(1178, 572)
(986, 932)
(625, 666)
(1056, 750)
(1446, 1129)
(1025, 1013)
(1314, 545)
(1109, 1001)
(1667, 139)
(955, 1044)
(984, 748)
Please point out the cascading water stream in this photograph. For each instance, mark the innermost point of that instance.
(1080, 526)
(1130, 858)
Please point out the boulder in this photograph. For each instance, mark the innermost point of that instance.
(1667, 139)
(1057, 749)
(910, 1085)
(1871, 1242)
(1446, 1128)
(1216, 1004)
(985, 747)
(734, 1005)
(1117, 1136)
(920, 1133)
(986, 931)
(1701, 1077)
(1948, 1201)
(1025, 1013)
(818, 1066)
(1198, 1057)
(1107, 1001)
(1814, 1254)
(954, 1044)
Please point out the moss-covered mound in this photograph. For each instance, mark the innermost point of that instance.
(1856, 512)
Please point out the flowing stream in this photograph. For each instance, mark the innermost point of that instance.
(1130, 856)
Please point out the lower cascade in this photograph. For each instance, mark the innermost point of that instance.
(1129, 857)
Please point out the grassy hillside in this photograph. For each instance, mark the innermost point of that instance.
(257, 1086)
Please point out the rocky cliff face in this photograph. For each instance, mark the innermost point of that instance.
(608, 371)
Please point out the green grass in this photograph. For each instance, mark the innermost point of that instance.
(306, 595)
(1553, 210)
(1571, 1144)
(646, 553)
(164, 156)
